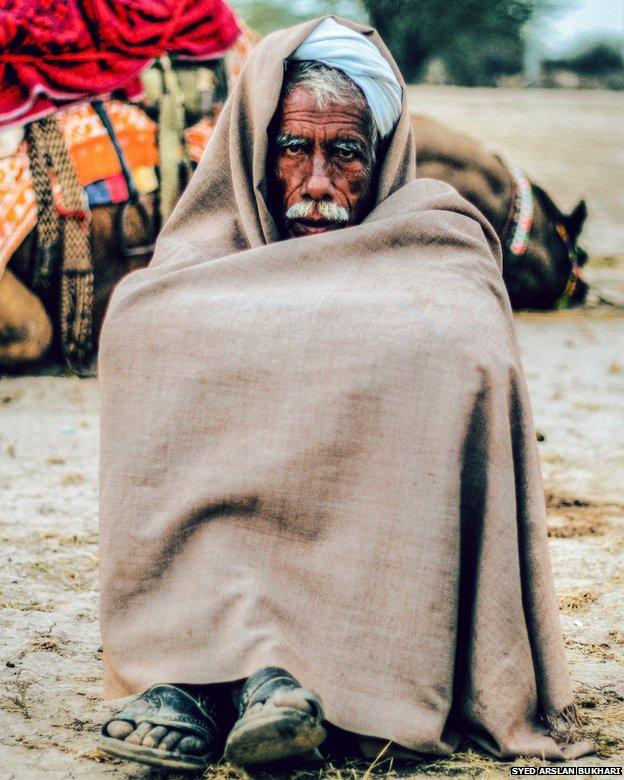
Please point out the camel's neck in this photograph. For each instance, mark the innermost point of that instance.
(480, 176)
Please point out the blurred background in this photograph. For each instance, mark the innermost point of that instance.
(538, 82)
(548, 43)
(546, 79)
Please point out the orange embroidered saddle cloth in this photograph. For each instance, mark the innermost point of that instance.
(94, 158)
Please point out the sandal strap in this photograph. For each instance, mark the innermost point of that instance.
(260, 685)
(265, 683)
(172, 707)
(312, 698)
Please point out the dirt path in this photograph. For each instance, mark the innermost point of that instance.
(50, 662)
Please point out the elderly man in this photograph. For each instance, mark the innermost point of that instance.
(319, 477)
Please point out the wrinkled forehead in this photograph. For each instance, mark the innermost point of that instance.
(300, 113)
(347, 52)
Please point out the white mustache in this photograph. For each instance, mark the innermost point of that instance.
(325, 209)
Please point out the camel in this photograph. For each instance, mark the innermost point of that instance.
(29, 323)
(544, 275)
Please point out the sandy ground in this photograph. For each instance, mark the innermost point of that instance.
(571, 142)
(50, 660)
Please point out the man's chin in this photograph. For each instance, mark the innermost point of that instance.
(296, 229)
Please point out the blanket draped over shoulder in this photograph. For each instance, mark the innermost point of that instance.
(319, 454)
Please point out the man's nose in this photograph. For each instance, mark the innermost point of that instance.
(318, 185)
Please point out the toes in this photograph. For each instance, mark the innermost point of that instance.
(162, 738)
(119, 729)
(170, 742)
(192, 746)
(296, 699)
(154, 736)
(122, 729)
(139, 733)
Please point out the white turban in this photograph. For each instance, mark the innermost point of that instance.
(339, 47)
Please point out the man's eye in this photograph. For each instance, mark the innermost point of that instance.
(292, 151)
(345, 154)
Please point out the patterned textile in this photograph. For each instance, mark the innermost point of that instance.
(62, 232)
(107, 191)
(59, 51)
(94, 160)
(197, 136)
(18, 209)
(92, 150)
(115, 190)
(522, 216)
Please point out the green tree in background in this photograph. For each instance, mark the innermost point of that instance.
(477, 40)
(472, 60)
(596, 63)
(457, 32)
(264, 16)
(596, 58)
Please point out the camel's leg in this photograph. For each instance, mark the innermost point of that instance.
(25, 328)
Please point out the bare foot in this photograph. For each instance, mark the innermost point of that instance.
(159, 737)
(295, 699)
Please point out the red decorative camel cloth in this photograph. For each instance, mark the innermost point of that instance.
(54, 52)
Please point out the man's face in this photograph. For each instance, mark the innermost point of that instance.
(321, 166)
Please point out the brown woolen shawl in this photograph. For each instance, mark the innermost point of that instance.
(319, 454)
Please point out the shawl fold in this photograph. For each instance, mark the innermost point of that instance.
(319, 454)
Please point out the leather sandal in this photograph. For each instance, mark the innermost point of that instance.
(170, 706)
(265, 732)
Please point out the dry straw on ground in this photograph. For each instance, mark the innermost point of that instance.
(50, 664)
